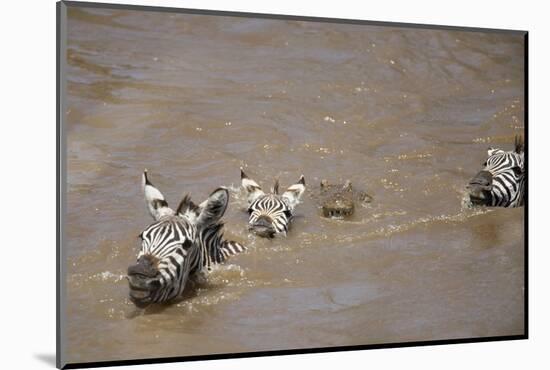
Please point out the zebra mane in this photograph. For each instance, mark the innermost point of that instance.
(519, 145)
(187, 204)
(219, 249)
(216, 228)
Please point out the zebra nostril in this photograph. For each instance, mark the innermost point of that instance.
(144, 267)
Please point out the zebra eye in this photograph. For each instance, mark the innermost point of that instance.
(249, 210)
(485, 163)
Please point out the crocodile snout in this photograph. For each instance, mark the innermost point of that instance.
(338, 208)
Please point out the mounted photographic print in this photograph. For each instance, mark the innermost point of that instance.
(234, 185)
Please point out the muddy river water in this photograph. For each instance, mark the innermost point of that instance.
(405, 114)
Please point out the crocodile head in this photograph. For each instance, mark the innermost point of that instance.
(337, 201)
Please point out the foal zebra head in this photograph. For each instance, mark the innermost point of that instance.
(501, 182)
(271, 214)
(177, 244)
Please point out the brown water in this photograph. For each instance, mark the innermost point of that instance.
(406, 114)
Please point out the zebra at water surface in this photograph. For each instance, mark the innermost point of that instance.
(501, 182)
(271, 214)
(179, 244)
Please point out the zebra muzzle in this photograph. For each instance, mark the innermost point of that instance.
(483, 179)
(143, 267)
(143, 280)
(263, 227)
(480, 186)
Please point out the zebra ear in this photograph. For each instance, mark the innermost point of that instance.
(254, 191)
(293, 194)
(156, 204)
(213, 208)
(519, 145)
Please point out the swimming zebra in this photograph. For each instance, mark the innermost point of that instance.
(271, 214)
(501, 183)
(177, 245)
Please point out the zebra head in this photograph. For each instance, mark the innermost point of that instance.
(271, 214)
(177, 244)
(501, 182)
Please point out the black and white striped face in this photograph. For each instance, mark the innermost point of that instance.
(501, 182)
(177, 244)
(270, 214)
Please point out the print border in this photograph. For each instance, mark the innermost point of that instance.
(61, 175)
